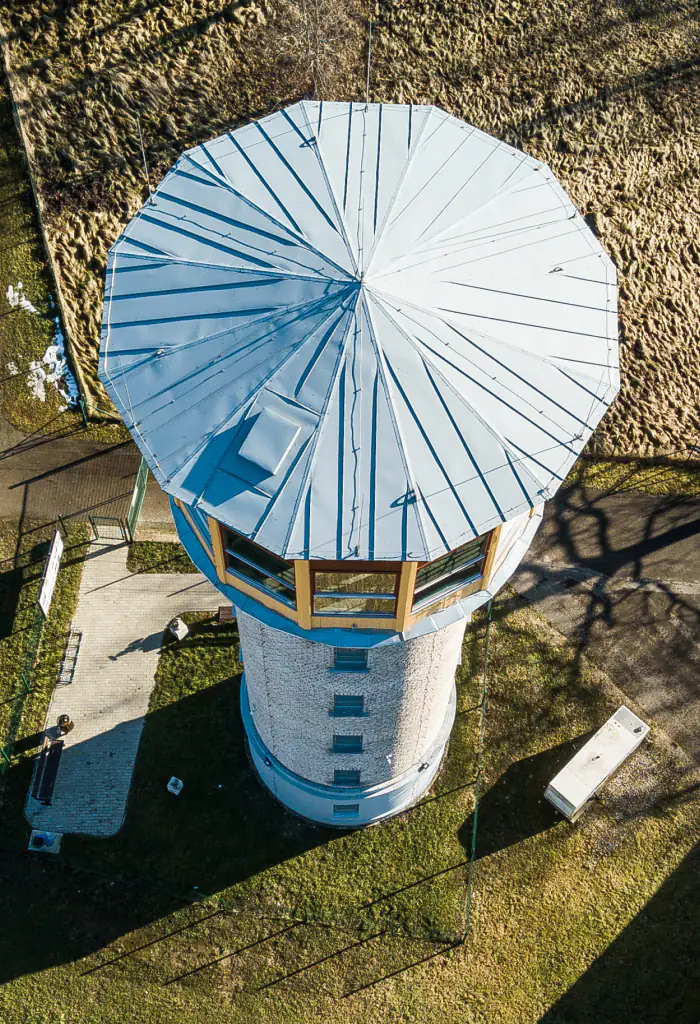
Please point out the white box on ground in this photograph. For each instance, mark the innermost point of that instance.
(595, 762)
(41, 841)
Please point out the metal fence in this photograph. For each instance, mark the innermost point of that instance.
(23, 687)
(25, 682)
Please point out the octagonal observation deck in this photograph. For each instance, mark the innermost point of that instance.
(359, 345)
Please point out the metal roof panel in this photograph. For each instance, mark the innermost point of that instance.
(360, 331)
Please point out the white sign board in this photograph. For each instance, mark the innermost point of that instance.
(51, 573)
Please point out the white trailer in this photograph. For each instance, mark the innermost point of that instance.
(591, 767)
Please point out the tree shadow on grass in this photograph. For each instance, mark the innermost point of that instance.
(11, 583)
(224, 835)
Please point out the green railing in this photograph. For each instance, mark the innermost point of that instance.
(137, 498)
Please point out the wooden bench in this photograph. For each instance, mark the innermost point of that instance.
(226, 613)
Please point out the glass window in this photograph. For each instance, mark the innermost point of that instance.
(346, 810)
(346, 777)
(362, 591)
(450, 572)
(260, 567)
(347, 744)
(348, 705)
(350, 659)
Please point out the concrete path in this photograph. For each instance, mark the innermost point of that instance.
(122, 617)
(620, 575)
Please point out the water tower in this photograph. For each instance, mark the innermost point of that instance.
(359, 346)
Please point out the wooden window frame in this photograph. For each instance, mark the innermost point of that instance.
(405, 572)
(223, 529)
(206, 544)
(331, 618)
(474, 587)
(264, 597)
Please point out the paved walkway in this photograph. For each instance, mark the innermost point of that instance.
(122, 617)
(619, 574)
(68, 473)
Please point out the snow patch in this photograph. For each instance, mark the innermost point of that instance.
(53, 369)
(16, 297)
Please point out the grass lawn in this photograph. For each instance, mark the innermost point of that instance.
(606, 908)
(158, 556)
(24, 336)
(637, 475)
(21, 567)
(261, 856)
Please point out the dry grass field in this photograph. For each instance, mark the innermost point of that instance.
(84, 74)
(606, 91)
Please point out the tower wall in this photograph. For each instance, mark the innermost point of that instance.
(408, 691)
(289, 684)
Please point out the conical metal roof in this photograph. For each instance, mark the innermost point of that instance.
(360, 331)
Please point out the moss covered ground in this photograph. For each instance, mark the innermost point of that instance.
(643, 475)
(158, 556)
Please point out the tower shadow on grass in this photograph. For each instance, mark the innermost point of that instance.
(514, 808)
(224, 828)
(625, 983)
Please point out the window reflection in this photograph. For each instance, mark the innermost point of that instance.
(260, 567)
(450, 572)
(360, 591)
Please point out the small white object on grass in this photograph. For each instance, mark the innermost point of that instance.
(41, 841)
(178, 628)
(16, 297)
(53, 369)
(175, 786)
